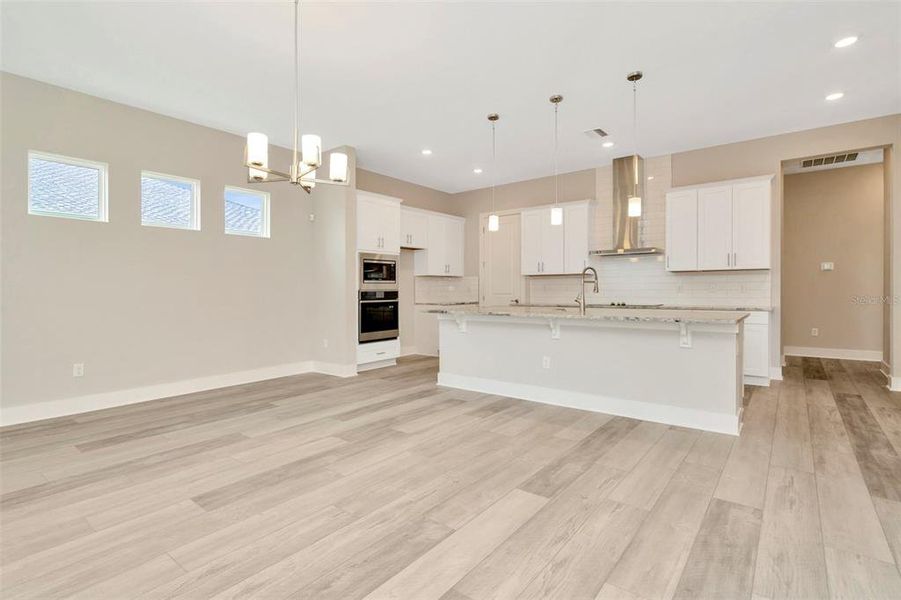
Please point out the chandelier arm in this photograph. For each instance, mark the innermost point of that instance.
(267, 170)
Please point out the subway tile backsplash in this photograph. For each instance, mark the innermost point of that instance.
(645, 280)
(446, 290)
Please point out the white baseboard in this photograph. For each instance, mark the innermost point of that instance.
(757, 380)
(841, 353)
(336, 369)
(408, 350)
(776, 373)
(50, 409)
(894, 384)
(646, 411)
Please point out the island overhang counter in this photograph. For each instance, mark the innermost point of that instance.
(679, 367)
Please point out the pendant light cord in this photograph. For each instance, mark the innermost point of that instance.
(635, 137)
(556, 192)
(493, 163)
(294, 166)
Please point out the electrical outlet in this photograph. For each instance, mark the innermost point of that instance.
(545, 362)
(78, 370)
(827, 266)
(312, 217)
(325, 342)
(815, 331)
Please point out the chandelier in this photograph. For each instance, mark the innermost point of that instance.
(304, 162)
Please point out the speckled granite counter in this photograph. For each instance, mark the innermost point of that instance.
(635, 315)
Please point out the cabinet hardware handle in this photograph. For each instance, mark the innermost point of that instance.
(735, 259)
(728, 259)
(667, 261)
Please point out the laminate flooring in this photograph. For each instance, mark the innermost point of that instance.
(388, 486)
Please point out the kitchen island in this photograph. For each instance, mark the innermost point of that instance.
(680, 367)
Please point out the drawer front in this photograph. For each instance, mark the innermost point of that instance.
(376, 351)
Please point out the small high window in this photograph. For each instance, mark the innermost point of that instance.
(170, 201)
(60, 186)
(246, 212)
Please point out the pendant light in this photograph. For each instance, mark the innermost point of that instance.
(634, 209)
(306, 158)
(494, 222)
(556, 211)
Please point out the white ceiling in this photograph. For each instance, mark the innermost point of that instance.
(393, 78)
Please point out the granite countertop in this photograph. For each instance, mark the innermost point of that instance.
(657, 307)
(635, 315)
(445, 303)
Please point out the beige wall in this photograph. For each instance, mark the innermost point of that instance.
(834, 216)
(578, 185)
(765, 156)
(145, 305)
(417, 196)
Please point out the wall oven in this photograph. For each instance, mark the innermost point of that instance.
(378, 315)
(378, 272)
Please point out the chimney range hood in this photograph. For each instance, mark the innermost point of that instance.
(628, 183)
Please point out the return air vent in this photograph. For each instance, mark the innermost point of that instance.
(828, 160)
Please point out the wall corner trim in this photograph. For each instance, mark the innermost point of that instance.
(26, 413)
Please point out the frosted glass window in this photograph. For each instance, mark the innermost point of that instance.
(246, 212)
(169, 201)
(59, 186)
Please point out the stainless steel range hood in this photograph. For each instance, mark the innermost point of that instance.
(628, 182)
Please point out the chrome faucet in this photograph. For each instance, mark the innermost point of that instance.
(580, 299)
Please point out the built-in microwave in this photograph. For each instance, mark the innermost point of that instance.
(378, 272)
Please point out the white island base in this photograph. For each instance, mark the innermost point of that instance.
(662, 366)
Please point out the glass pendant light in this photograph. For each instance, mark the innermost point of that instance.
(494, 222)
(634, 209)
(556, 211)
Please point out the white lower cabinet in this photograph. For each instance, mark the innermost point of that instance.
(756, 349)
(373, 352)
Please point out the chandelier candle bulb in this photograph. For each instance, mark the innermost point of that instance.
(494, 223)
(311, 150)
(258, 154)
(337, 167)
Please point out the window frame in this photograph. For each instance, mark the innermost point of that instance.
(264, 233)
(195, 196)
(102, 187)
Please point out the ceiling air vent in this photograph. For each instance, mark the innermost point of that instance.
(596, 132)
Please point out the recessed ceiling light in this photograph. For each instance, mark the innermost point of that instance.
(846, 41)
(835, 96)
(607, 144)
(477, 171)
(426, 152)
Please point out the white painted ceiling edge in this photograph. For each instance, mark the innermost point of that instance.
(393, 78)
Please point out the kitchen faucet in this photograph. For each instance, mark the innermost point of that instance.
(580, 299)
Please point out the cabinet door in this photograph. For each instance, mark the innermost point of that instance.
(551, 245)
(682, 231)
(369, 223)
(414, 228)
(532, 225)
(454, 240)
(437, 252)
(389, 217)
(715, 228)
(755, 349)
(575, 238)
(751, 225)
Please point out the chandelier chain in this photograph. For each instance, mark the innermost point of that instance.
(296, 83)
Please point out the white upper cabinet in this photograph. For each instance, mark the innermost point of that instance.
(414, 227)
(751, 225)
(575, 237)
(715, 228)
(443, 254)
(682, 231)
(378, 223)
(719, 227)
(555, 249)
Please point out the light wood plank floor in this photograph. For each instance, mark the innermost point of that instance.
(387, 486)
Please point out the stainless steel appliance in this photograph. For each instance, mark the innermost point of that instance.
(378, 315)
(628, 182)
(378, 272)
